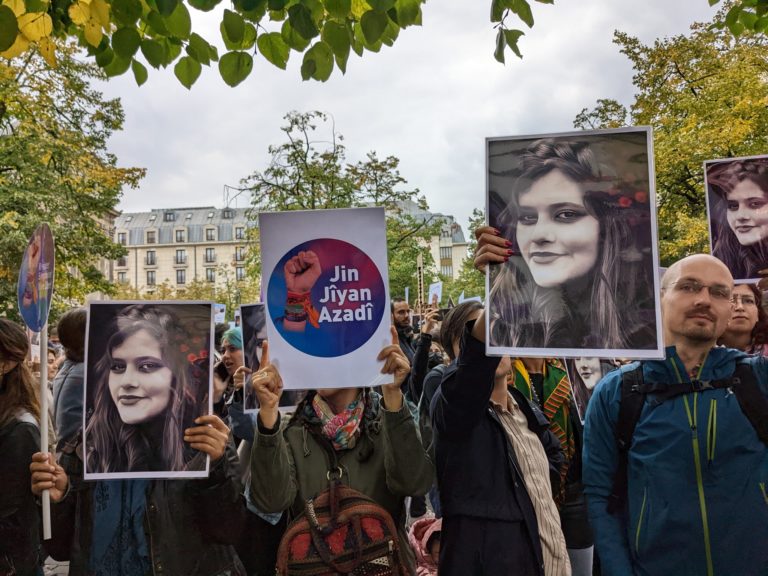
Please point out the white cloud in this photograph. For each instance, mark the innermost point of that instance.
(430, 100)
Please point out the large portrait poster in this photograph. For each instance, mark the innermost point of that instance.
(737, 204)
(254, 335)
(148, 376)
(327, 296)
(35, 287)
(578, 211)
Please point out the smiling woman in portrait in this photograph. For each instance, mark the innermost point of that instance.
(146, 391)
(738, 200)
(575, 275)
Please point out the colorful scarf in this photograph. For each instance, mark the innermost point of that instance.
(341, 429)
(556, 405)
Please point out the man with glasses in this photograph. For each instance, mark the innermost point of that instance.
(694, 499)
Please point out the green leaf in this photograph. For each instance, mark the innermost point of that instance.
(293, 38)
(511, 37)
(761, 24)
(318, 62)
(179, 23)
(390, 34)
(408, 12)
(126, 12)
(104, 57)
(204, 5)
(497, 10)
(248, 5)
(157, 23)
(153, 51)
(125, 42)
(172, 50)
(9, 28)
(235, 67)
(373, 25)
(166, 7)
(748, 19)
(274, 49)
(117, 66)
(249, 37)
(338, 8)
(357, 39)
(36, 5)
(187, 70)
(523, 10)
(233, 27)
(501, 43)
(713, 2)
(300, 18)
(199, 49)
(139, 72)
(381, 5)
(277, 4)
(336, 35)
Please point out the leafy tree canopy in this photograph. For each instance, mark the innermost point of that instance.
(706, 96)
(55, 167)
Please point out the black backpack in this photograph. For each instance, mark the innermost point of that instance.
(743, 383)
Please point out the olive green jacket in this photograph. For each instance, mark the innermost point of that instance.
(289, 467)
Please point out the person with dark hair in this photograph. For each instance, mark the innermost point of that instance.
(68, 384)
(573, 274)
(374, 439)
(739, 214)
(585, 373)
(748, 328)
(401, 320)
(20, 543)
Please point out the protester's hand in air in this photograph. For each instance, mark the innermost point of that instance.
(209, 436)
(431, 317)
(302, 271)
(491, 248)
(268, 386)
(48, 475)
(395, 363)
(238, 378)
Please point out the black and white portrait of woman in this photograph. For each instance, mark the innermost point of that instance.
(148, 378)
(737, 198)
(577, 212)
(584, 374)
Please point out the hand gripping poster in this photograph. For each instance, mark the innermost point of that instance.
(327, 296)
(577, 211)
(147, 381)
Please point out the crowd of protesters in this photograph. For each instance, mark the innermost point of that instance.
(483, 465)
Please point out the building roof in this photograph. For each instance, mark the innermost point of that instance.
(195, 220)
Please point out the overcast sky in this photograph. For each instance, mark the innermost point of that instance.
(430, 100)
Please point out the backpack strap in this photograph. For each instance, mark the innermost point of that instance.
(751, 399)
(632, 400)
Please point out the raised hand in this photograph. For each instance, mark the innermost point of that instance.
(238, 378)
(395, 363)
(48, 475)
(210, 436)
(491, 247)
(302, 271)
(268, 386)
(430, 317)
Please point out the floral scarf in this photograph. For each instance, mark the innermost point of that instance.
(341, 429)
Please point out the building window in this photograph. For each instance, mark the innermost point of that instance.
(181, 256)
(239, 273)
(151, 260)
(151, 237)
(210, 255)
(122, 238)
(210, 234)
(239, 254)
(150, 277)
(181, 276)
(210, 274)
(227, 214)
(122, 278)
(239, 233)
(169, 217)
(179, 235)
(447, 271)
(445, 253)
(122, 261)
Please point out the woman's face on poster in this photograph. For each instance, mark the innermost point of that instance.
(556, 233)
(589, 370)
(748, 213)
(139, 380)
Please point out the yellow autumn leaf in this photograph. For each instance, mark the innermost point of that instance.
(18, 47)
(80, 13)
(17, 6)
(100, 11)
(35, 25)
(48, 51)
(359, 7)
(93, 33)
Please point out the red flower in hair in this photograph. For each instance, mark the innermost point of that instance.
(184, 348)
(191, 357)
(641, 196)
(625, 202)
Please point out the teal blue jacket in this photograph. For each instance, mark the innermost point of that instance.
(698, 477)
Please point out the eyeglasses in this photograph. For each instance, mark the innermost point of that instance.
(716, 291)
(745, 300)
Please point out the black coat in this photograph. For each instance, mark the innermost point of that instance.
(477, 470)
